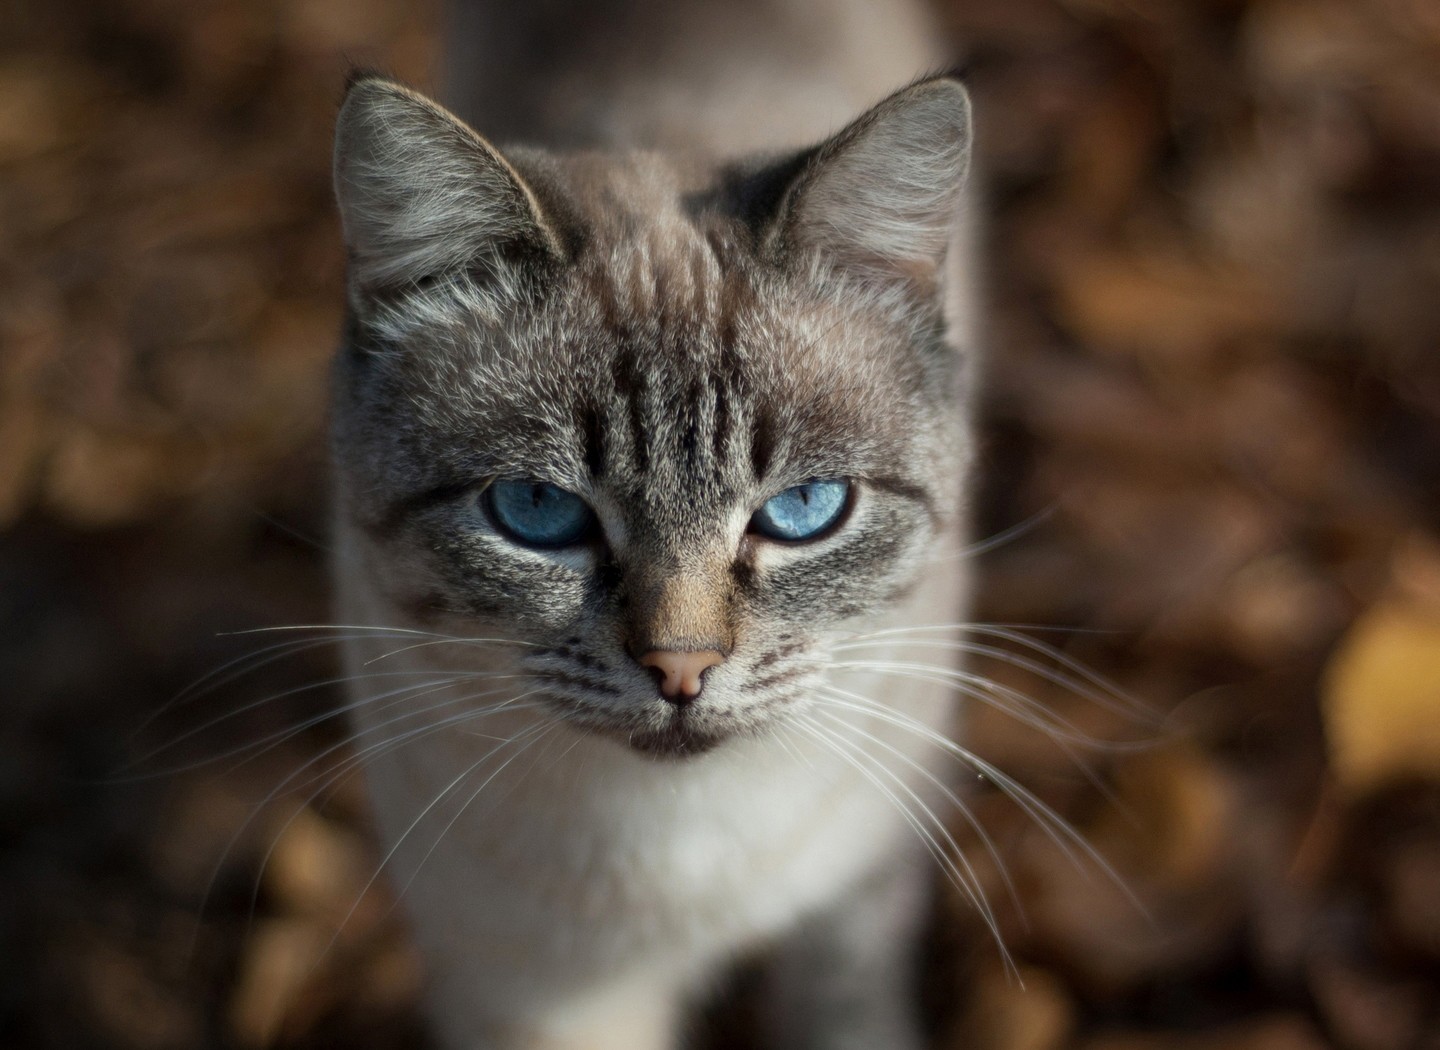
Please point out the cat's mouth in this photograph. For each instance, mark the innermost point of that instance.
(662, 731)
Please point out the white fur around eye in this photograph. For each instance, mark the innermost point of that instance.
(580, 560)
(737, 525)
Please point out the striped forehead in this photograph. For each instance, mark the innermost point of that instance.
(670, 406)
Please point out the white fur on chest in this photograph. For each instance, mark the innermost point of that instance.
(585, 857)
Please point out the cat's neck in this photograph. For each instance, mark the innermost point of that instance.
(725, 78)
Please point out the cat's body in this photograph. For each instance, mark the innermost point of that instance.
(667, 348)
(723, 80)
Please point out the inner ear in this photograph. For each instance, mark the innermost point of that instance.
(882, 198)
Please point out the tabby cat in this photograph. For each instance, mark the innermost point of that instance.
(651, 445)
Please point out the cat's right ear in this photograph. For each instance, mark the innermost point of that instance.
(422, 195)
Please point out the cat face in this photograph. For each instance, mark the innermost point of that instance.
(667, 428)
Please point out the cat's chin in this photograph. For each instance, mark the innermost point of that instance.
(675, 742)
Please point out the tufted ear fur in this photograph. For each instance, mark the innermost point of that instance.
(881, 199)
(421, 194)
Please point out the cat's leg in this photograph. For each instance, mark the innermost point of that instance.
(632, 1014)
(845, 978)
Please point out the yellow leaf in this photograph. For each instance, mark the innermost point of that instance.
(1382, 698)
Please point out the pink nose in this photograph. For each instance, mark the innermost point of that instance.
(678, 674)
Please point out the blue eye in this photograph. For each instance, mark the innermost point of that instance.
(803, 513)
(539, 514)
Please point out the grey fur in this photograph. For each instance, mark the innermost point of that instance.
(676, 341)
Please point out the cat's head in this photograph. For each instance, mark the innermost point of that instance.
(666, 424)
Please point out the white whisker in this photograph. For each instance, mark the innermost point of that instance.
(529, 735)
(242, 665)
(328, 715)
(447, 641)
(371, 629)
(348, 764)
(1061, 832)
(1004, 536)
(966, 813)
(954, 863)
(1099, 690)
(1020, 706)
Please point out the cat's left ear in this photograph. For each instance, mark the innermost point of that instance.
(882, 198)
(422, 195)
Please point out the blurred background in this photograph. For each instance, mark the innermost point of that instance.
(1212, 422)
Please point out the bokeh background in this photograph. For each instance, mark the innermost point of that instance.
(1211, 427)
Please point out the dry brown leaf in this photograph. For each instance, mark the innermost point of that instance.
(1276, 604)
(1412, 875)
(1274, 1033)
(317, 868)
(38, 102)
(1166, 835)
(1367, 1011)
(100, 478)
(1416, 569)
(132, 1007)
(391, 976)
(1160, 307)
(1031, 1012)
(1171, 821)
(280, 961)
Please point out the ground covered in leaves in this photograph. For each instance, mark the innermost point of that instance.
(1212, 420)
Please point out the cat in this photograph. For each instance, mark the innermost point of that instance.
(651, 439)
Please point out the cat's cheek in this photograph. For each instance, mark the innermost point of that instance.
(403, 578)
(492, 580)
(874, 561)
